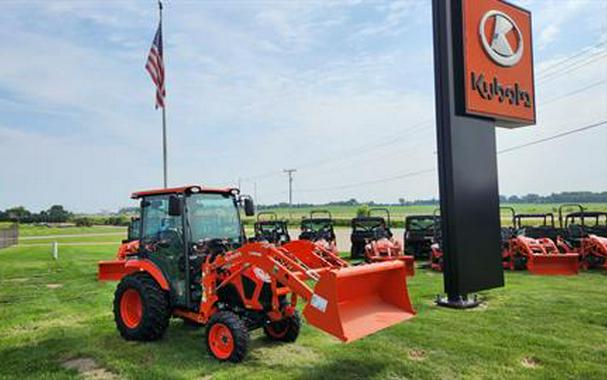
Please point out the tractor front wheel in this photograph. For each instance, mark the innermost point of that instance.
(141, 308)
(227, 337)
(285, 330)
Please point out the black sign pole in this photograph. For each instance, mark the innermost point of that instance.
(469, 197)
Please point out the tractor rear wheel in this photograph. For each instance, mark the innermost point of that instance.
(227, 337)
(285, 330)
(141, 308)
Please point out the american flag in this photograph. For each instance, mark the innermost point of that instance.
(155, 66)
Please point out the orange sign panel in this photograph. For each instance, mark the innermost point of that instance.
(498, 62)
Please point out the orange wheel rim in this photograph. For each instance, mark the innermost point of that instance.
(131, 308)
(221, 341)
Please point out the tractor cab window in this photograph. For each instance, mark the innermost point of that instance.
(213, 216)
(157, 224)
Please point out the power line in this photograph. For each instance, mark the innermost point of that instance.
(558, 64)
(557, 136)
(570, 68)
(430, 170)
(544, 76)
(575, 92)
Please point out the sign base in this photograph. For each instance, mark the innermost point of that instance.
(458, 301)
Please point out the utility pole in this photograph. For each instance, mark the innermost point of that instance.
(290, 174)
(255, 191)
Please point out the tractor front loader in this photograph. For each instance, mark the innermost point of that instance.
(533, 248)
(194, 263)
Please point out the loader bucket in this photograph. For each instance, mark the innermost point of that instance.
(554, 265)
(353, 302)
(111, 270)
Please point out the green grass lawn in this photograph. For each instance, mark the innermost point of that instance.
(26, 230)
(537, 327)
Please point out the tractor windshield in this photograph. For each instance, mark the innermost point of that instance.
(213, 216)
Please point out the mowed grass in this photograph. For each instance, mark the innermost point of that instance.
(27, 230)
(537, 327)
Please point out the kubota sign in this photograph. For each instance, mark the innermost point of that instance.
(498, 62)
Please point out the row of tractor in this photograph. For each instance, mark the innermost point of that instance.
(533, 242)
(187, 256)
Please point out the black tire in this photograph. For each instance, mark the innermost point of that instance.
(156, 311)
(520, 263)
(285, 330)
(239, 336)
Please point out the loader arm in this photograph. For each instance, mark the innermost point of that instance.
(348, 303)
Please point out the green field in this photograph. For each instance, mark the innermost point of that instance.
(26, 230)
(56, 322)
(399, 213)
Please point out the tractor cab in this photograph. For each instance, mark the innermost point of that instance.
(268, 228)
(419, 234)
(317, 227)
(179, 228)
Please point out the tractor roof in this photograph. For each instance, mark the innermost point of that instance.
(590, 214)
(182, 190)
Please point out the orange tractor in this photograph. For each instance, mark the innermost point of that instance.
(584, 232)
(193, 262)
(533, 248)
(372, 239)
(130, 245)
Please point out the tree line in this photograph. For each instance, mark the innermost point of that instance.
(562, 197)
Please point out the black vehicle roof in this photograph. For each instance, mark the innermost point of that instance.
(579, 214)
(425, 216)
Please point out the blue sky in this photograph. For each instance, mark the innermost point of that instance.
(343, 91)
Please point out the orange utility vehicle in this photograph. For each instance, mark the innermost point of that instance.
(373, 235)
(318, 227)
(533, 247)
(193, 262)
(584, 232)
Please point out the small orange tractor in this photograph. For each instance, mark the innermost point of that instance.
(131, 243)
(373, 235)
(268, 228)
(193, 262)
(532, 247)
(585, 232)
(318, 228)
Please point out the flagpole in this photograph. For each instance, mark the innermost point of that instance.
(164, 119)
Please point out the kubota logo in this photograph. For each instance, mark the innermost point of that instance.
(505, 45)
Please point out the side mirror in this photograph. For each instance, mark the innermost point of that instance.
(174, 206)
(249, 207)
